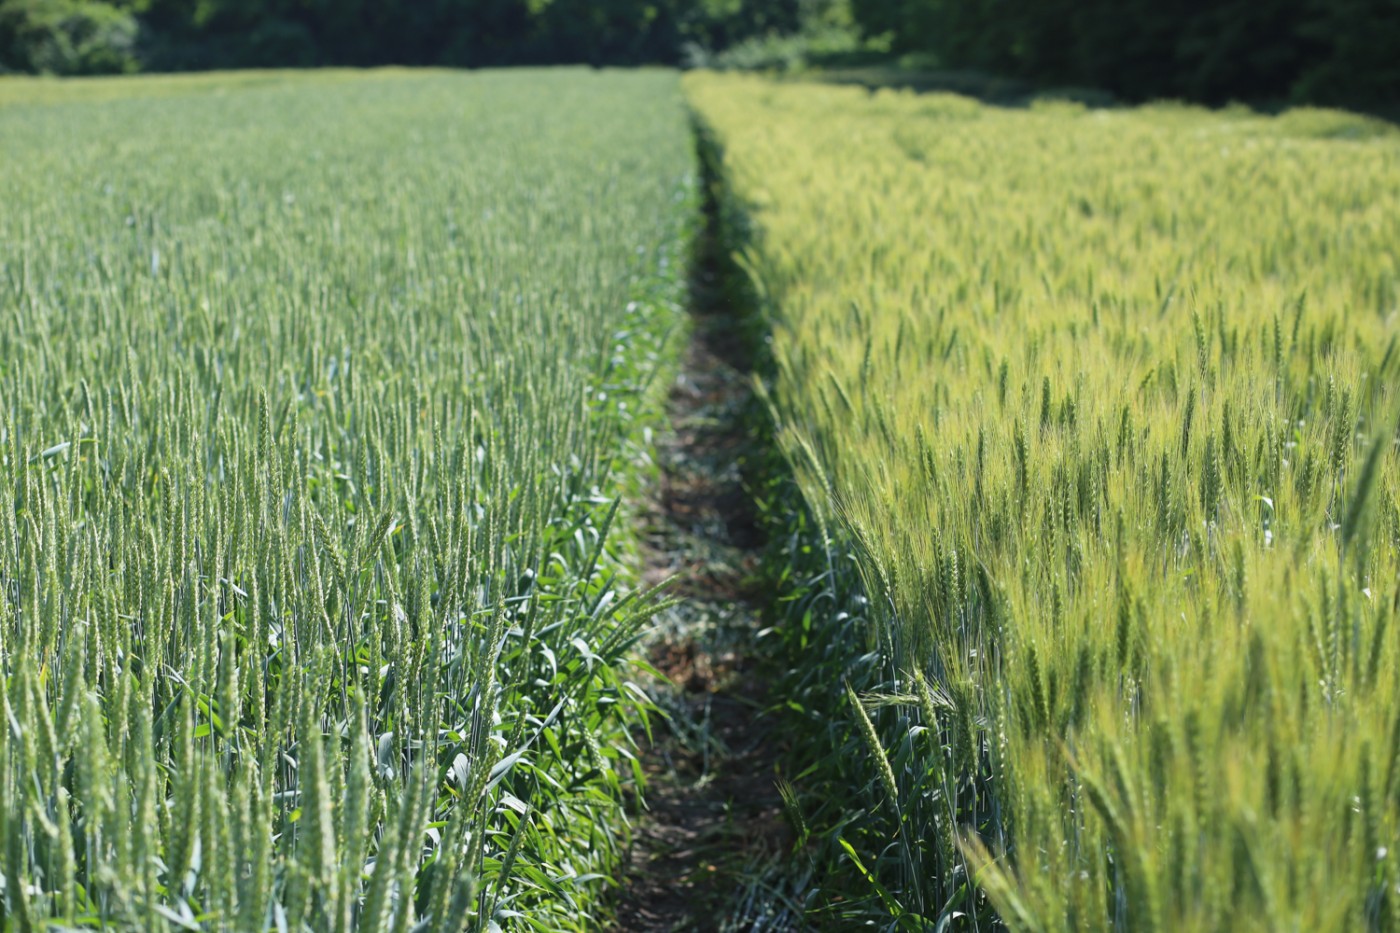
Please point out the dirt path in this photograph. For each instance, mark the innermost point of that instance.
(714, 828)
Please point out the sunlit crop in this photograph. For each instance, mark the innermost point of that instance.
(315, 395)
(1105, 403)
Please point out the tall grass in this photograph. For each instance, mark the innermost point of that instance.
(315, 399)
(1104, 403)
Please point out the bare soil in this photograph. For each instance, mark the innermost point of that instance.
(713, 827)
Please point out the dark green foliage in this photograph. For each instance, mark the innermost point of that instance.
(66, 37)
(1361, 64)
(89, 36)
(1269, 51)
(1262, 50)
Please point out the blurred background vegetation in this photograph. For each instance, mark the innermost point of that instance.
(1272, 52)
(1317, 51)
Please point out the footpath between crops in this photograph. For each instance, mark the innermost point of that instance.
(713, 829)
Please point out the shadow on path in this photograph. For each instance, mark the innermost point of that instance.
(714, 824)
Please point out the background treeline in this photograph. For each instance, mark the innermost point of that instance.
(1343, 52)
(101, 36)
(1324, 51)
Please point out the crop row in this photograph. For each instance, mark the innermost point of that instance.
(1102, 405)
(316, 399)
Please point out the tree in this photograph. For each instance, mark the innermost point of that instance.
(66, 37)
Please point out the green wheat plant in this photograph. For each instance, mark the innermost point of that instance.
(317, 395)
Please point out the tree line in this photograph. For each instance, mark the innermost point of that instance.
(101, 36)
(1289, 51)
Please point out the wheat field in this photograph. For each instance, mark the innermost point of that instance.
(315, 414)
(1103, 404)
